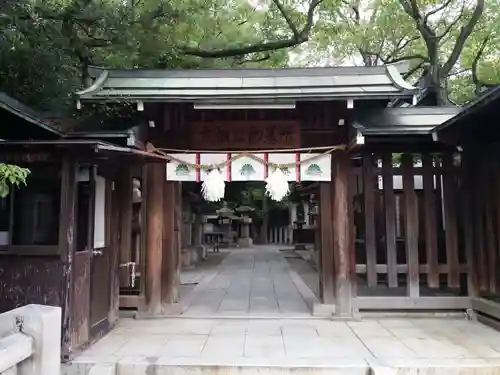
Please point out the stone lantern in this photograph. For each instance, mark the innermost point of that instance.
(225, 221)
(245, 240)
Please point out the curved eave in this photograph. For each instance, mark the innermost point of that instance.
(398, 80)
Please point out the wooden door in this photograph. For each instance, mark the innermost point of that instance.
(100, 278)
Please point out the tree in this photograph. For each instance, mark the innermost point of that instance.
(11, 176)
(53, 42)
(431, 35)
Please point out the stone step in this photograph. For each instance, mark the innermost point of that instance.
(311, 366)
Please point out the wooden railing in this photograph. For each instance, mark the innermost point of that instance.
(279, 235)
(30, 341)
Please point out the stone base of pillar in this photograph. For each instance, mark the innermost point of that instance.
(245, 242)
(194, 256)
(299, 246)
(186, 259)
(323, 310)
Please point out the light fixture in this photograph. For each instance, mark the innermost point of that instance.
(414, 100)
(244, 106)
(140, 106)
(341, 122)
(151, 123)
(78, 104)
(350, 103)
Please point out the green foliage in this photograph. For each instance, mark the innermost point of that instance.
(11, 176)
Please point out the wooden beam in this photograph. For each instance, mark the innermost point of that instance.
(326, 270)
(155, 174)
(411, 226)
(407, 303)
(343, 234)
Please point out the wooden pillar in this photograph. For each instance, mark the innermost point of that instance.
(170, 272)
(325, 263)
(343, 234)
(155, 175)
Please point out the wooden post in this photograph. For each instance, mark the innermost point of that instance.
(67, 245)
(155, 174)
(169, 267)
(430, 220)
(390, 219)
(369, 181)
(411, 226)
(326, 271)
(343, 234)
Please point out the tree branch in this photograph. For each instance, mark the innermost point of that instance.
(474, 68)
(303, 36)
(437, 10)
(465, 31)
(287, 18)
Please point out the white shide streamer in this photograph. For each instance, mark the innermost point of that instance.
(277, 185)
(213, 187)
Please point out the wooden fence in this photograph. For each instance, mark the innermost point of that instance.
(410, 252)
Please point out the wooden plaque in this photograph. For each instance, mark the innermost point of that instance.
(25, 157)
(245, 135)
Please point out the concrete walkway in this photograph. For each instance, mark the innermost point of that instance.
(255, 282)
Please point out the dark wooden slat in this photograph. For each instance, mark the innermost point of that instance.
(488, 171)
(369, 182)
(468, 212)
(496, 201)
(390, 219)
(430, 221)
(411, 226)
(479, 226)
(403, 268)
(326, 247)
(450, 220)
(343, 235)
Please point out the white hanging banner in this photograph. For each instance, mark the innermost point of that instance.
(250, 167)
(315, 167)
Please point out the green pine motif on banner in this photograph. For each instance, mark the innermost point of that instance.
(182, 170)
(247, 170)
(314, 170)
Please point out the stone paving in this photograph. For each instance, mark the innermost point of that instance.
(252, 315)
(256, 282)
(356, 345)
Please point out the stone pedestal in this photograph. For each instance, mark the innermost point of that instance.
(245, 240)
